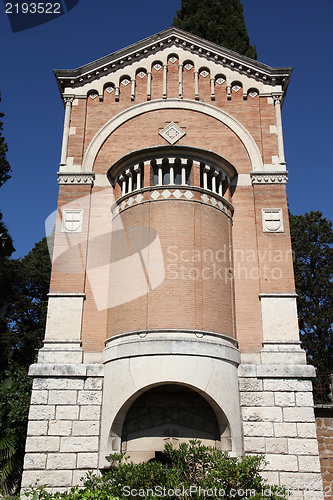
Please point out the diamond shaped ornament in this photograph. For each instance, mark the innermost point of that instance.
(172, 133)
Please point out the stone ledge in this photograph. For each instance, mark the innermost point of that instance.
(65, 370)
(276, 371)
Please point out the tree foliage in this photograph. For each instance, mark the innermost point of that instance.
(4, 164)
(312, 243)
(6, 243)
(24, 286)
(219, 21)
(192, 469)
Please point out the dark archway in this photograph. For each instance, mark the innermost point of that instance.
(168, 413)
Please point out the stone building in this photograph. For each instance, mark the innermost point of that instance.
(172, 307)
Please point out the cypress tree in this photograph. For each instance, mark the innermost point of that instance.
(219, 21)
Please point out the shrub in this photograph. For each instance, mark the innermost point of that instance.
(192, 471)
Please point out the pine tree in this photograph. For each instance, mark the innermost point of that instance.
(219, 21)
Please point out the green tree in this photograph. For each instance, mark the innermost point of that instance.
(4, 164)
(191, 467)
(24, 285)
(219, 21)
(15, 390)
(23, 300)
(312, 243)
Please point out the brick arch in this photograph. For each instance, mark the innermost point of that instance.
(240, 131)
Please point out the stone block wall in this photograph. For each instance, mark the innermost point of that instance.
(278, 421)
(324, 421)
(64, 425)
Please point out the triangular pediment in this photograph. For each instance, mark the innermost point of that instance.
(164, 43)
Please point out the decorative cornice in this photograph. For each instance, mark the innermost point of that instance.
(172, 37)
(85, 178)
(269, 177)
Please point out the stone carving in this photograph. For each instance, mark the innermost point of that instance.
(172, 133)
(272, 221)
(76, 178)
(269, 178)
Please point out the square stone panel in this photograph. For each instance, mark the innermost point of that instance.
(172, 133)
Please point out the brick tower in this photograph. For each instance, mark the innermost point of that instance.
(172, 306)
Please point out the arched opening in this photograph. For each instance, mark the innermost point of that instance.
(170, 413)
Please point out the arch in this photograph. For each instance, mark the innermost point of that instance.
(204, 68)
(140, 70)
(168, 410)
(92, 93)
(253, 92)
(187, 104)
(173, 55)
(109, 87)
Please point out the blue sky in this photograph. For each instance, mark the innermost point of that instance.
(295, 33)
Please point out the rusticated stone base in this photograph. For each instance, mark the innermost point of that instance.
(278, 421)
(64, 425)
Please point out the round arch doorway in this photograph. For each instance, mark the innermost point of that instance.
(171, 413)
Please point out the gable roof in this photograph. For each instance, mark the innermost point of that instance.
(172, 37)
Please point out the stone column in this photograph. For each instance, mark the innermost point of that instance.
(212, 89)
(133, 89)
(137, 170)
(196, 85)
(278, 119)
(180, 77)
(149, 85)
(165, 72)
(68, 108)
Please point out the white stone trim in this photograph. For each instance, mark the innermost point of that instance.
(64, 317)
(242, 180)
(187, 48)
(76, 178)
(171, 342)
(284, 371)
(280, 330)
(184, 104)
(66, 370)
(277, 294)
(101, 180)
(269, 177)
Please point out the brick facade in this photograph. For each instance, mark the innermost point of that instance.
(172, 264)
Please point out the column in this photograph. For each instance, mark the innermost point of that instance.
(180, 78)
(149, 85)
(215, 175)
(160, 172)
(183, 163)
(133, 89)
(196, 85)
(172, 171)
(212, 89)
(130, 180)
(137, 170)
(205, 176)
(220, 190)
(277, 106)
(123, 185)
(68, 108)
(165, 71)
